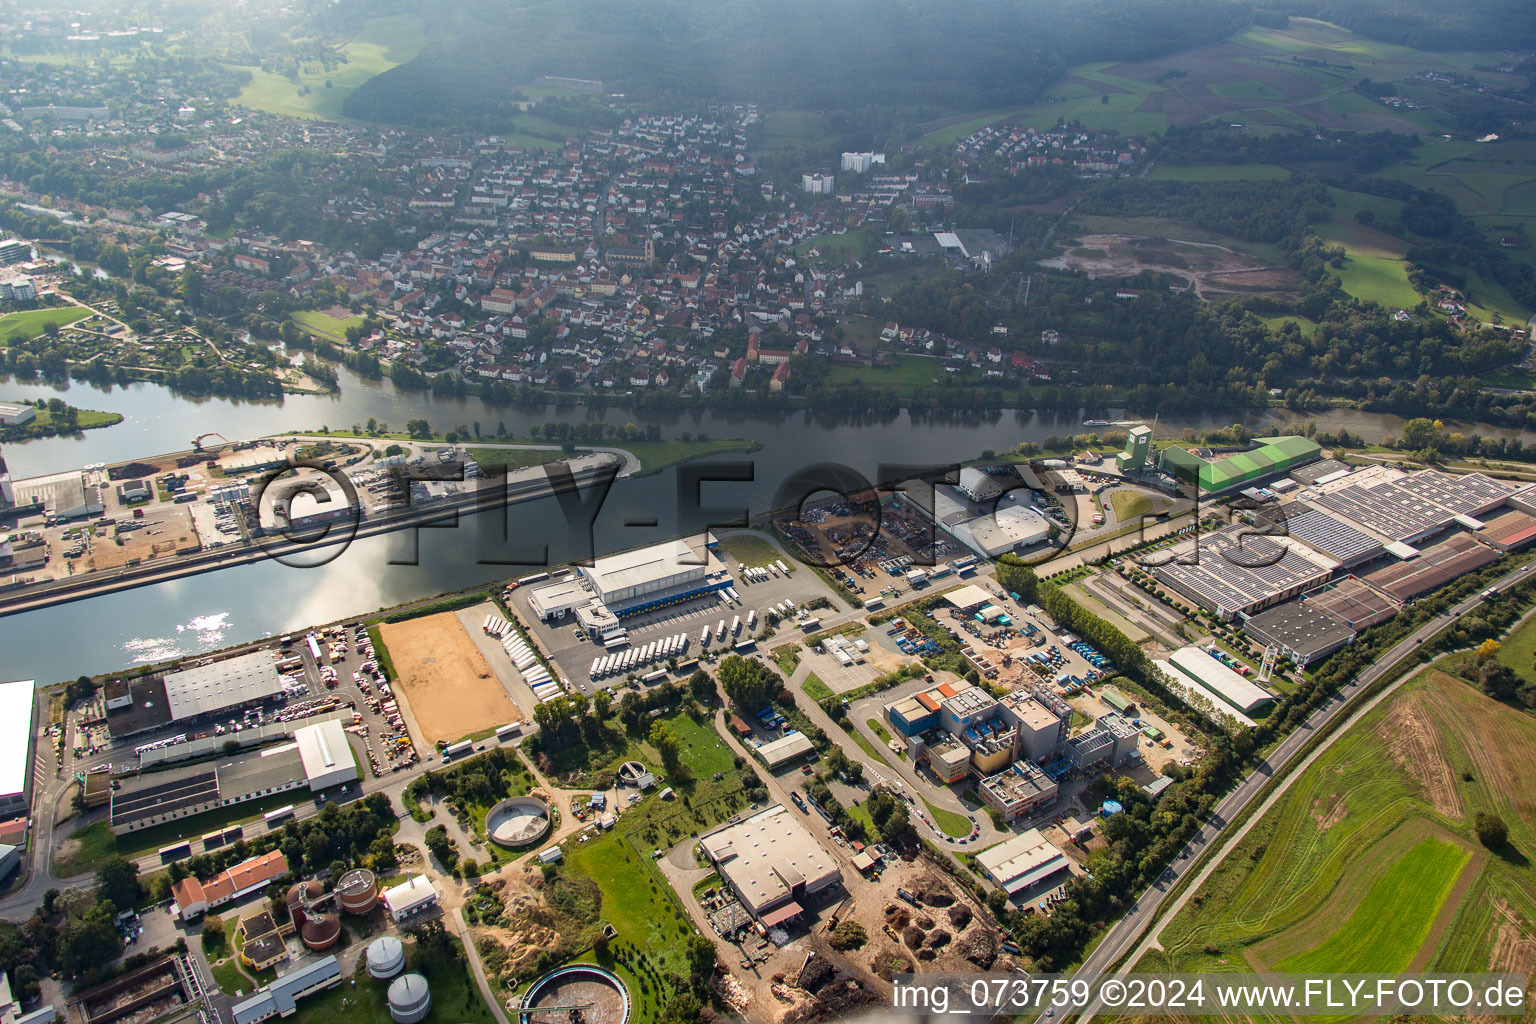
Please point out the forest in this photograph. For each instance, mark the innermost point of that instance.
(843, 54)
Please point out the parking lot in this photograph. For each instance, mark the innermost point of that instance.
(349, 674)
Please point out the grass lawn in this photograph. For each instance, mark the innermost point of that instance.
(1128, 505)
(860, 812)
(96, 841)
(455, 996)
(951, 822)
(816, 689)
(879, 730)
(492, 459)
(868, 747)
(30, 322)
(1387, 927)
(228, 975)
(333, 328)
(1306, 325)
(382, 43)
(905, 372)
(655, 456)
(751, 549)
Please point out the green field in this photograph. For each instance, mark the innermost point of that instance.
(636, 899)
(1306, 325)
(905, 373)
(1375, 270)
(816, 689)
(325, 325)
(950, 823)
(655, 456)
(1246, 91)
(1220, 172)
(382, 44)
(1386, 929)
(788, 130)
(850, 245)
(754, 550)
(1369, 862)
(30, 322)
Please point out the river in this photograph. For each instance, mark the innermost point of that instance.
(215, 609)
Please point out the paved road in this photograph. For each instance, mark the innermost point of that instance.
(1148, 909)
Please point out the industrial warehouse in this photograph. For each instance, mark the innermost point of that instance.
(17, 703)
(319, 757)
(981, 513)
(771, 863)
(1347, 552)
(626, 584)
(139, 705)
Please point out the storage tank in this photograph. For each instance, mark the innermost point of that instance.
(386, 957)
(357, 891)
(321, 931)
(409, 999)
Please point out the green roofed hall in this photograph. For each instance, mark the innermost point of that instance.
(1271, 457)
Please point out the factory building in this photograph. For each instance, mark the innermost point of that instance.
(1299, 631)
(143, 704)
(770, 862)
(1019, 789)
(1272, 456)
(13, 414)
(1240, 571)
(154, 798)
(1022, 863)
(978, 485)
(1196, 665)
(1138, 446)
(281, 997)
(410, 899)
(786, 750)
(18, 702)
(1107, 744)
(1041, 723)
(990, 528)
(58, 496)
(636, 581)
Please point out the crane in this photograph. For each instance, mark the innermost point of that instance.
(197, 442)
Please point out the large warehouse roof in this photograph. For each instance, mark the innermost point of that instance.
(15, 735)
(1238, 569)
(1211, 674)
(1304, 632)
(1023, 861)
(1272, 455)
(324, 751)
(631, 573)
(766, 856)
(204, 689)
(1435, 567)
(1010, 527)
(1326, 533)
(785, 749)
(1352, 602)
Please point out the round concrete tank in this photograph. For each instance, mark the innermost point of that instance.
(357, 891)
(321, 931)
(409, 999)
(600, 992)
(386, 957)
(518, 821)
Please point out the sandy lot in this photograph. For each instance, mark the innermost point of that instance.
(1209, 268)
(444, 681)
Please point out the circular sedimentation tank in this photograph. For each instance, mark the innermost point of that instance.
(631, 772)
(410, 999)
(517, 822)
(386, 957)
(320, 931)
(357, 891)
(604, 996)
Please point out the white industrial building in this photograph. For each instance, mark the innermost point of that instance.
(636, 581)
(231, 683)
(326, 755)
(1011, 528)
(1195, 665)
(64, 495)
(15, 415)
(771, 862)
(1023, 862)
(979, 486)
(17, 701)
(411, 898)
(280, 998)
